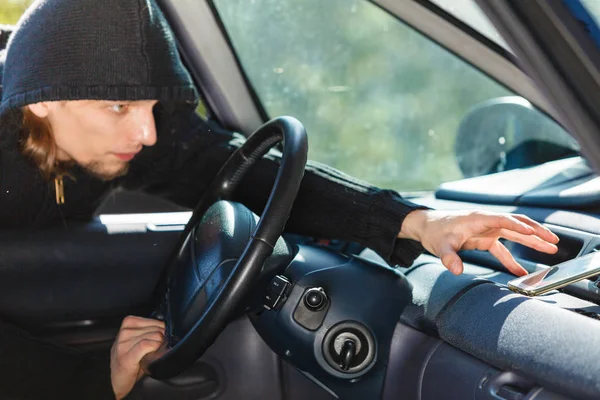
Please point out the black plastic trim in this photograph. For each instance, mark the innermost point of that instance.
(256, 99)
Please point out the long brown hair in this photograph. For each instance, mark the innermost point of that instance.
(37, 143)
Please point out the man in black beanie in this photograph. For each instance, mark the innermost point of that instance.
(94, 97)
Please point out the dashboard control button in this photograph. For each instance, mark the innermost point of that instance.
(315, 299)
(276, 292)
(312, 308)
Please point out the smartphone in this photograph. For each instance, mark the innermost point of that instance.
(555, 277)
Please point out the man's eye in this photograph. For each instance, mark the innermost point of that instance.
(118, 108)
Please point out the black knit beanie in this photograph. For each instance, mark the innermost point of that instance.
(93, 50)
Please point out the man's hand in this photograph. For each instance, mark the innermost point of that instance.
(444, 233)
(137, 337)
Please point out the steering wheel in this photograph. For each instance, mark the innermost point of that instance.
(201, 292)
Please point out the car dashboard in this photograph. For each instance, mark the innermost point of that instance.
(474, 337)
(433, 333)
(464, 336)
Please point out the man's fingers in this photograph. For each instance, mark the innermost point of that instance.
(507, 222)
(128, 337)
(132, 321)
(451, 260)
(499, 251)
(540, 230)
(128, 333)
(127, 352)
(532, 241)
(140, 349)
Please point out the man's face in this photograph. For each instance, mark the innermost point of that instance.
(100, 136)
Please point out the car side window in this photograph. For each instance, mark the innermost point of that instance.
(380, 100)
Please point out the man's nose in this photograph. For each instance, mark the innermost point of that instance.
(145, 130)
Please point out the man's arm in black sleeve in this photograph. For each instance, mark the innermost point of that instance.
(330, 204)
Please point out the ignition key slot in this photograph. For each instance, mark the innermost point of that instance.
(349, 348)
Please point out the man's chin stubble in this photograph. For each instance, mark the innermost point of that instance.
(97, 170)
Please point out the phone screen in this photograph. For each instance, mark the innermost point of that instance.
(566, 272)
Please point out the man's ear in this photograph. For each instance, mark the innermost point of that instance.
(40, 110)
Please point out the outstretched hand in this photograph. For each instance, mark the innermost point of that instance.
(444, 233)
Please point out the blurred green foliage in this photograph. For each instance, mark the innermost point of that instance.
(11, 10)
(379, 100)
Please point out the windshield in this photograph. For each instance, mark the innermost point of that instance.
(380, 100)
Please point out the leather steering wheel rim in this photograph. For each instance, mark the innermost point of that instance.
(176, 354)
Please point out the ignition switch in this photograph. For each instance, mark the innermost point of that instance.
(347, 354)
(349, 348)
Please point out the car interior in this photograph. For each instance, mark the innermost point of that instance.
(326, 319)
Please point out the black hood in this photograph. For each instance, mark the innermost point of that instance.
(93, 50)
